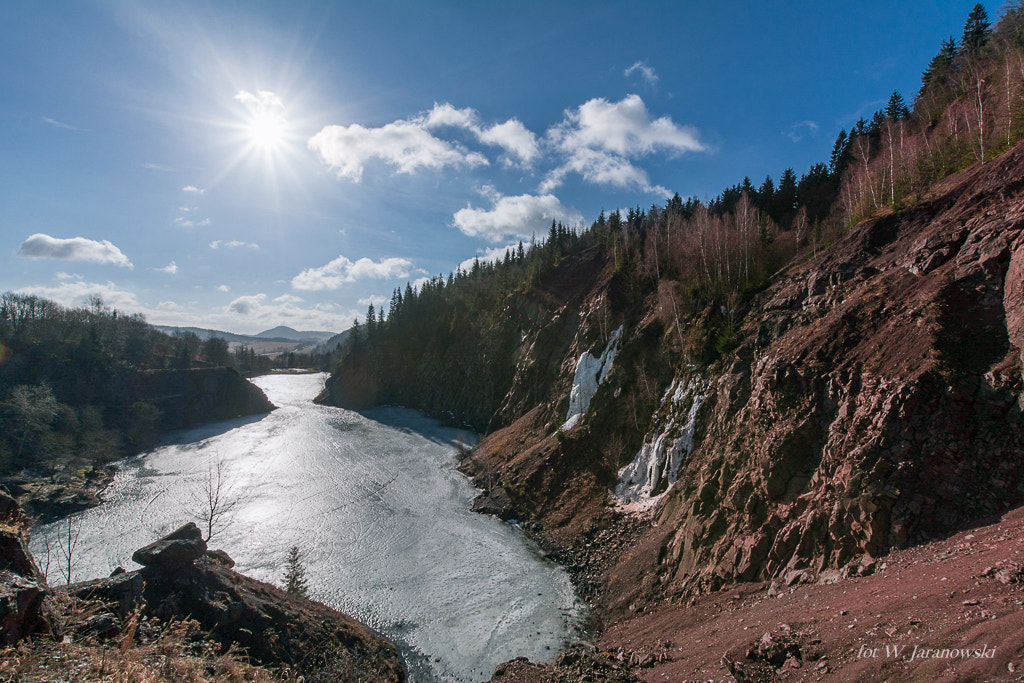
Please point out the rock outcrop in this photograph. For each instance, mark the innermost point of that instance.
(22, 586)
(182, 579)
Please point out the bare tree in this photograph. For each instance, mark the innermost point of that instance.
(213, 500)
(67, 543)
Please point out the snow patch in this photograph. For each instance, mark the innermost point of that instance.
(590, 372)
(656, 467)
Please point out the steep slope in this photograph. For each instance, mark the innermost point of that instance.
(873, 402)
(868, 399)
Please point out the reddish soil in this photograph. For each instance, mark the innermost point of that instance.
(963, 592)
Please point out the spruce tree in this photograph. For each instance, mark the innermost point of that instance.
(976, 31)
(295, 574)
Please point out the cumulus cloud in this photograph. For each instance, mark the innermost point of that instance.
(342, 270)
(623, 128)
(223, 288)
(600, 138)
(40, 246)
(447, 115)
(77, 292)
(373, 299)
(413, 143)
(232, 244)
(406, 145)
(193, 189)
(515, 138)
(171, 268)
(247, 305)
(519, 216)
(644, 70)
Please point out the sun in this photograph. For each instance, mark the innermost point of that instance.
(264, 126)
(267, 130)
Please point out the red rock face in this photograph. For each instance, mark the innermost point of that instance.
(873, 402)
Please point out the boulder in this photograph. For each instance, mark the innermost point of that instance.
(179, 548)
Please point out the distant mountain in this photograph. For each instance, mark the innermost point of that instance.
(282, 332)
(332, 343)
(278, 334)
(204, 334)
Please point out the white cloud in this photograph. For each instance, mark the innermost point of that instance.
(246, 305)
(171, 268)
(447, 115)
(58, 124)
(372, 299)
(169, 306)
(263, 99)
(600, 137)
(623, 128)
(342, 270)
(603, 168)
(797, 131)
(186, 223)
(77, 293)
(519, 216)
(40, 246)
(193, 189)
(405, 144)
(288, 299)
(232, 244)
(646, 71)
(410, 144)
(223, 288)
(514, 138)
(490, 255)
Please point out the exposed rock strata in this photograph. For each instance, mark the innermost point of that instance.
(874, 401)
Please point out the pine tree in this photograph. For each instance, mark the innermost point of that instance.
(837, 162)
(897, 108)
(940, 66)
(976, 31)
(295, 574)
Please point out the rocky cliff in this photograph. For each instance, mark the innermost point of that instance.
(868, 399)
(874, 401)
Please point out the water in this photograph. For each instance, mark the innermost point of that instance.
(379, 513)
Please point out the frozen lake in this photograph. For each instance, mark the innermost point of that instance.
(379, 513)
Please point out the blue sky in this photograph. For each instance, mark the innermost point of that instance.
(240, 165)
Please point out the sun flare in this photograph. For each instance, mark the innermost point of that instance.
(267, 130)
(265, 126)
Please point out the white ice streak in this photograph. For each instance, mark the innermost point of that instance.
(656, 467)
(590, 372)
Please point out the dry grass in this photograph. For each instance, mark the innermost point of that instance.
(144, 650)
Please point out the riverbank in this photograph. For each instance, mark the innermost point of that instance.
(47, 499)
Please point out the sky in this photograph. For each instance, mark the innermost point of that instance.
(243, 165)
